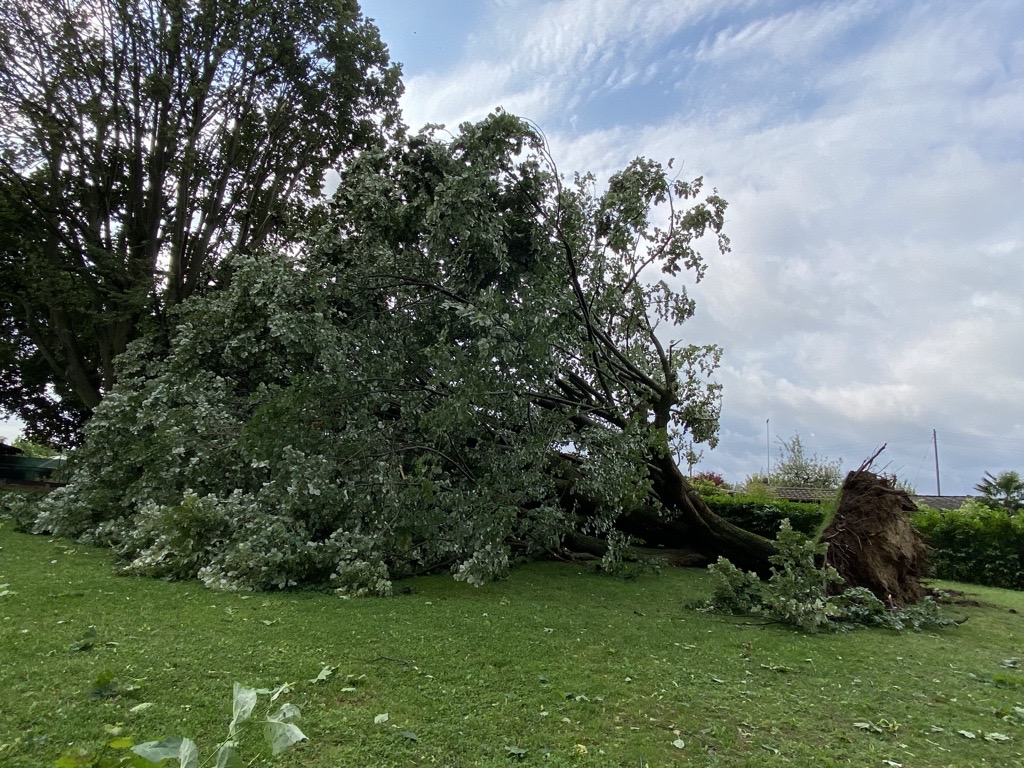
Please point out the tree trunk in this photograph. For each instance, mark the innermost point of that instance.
(687, 523)
(692, 523)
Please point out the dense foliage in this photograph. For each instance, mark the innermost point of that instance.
(975, 543)
(798, 593)
(403, 396)
(141, 141)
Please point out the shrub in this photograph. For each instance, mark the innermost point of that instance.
(763, 516)
(797, 593)
(18, 508)
(975, 543)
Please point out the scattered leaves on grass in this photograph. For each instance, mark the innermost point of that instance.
(381, 718)
(678, 743)
(410, 736)
(105, 686)
(325, 673)
(968, 734)
(515, 752)
(86, 642)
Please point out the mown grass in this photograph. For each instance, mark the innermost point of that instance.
(549, 659)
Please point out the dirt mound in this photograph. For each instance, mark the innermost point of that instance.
(871, 542)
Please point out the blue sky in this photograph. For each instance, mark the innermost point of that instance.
(872, 152)
(873, 157)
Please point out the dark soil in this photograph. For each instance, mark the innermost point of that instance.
(871, 542)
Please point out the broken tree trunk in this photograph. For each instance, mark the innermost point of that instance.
(706, 532)
(683, 522)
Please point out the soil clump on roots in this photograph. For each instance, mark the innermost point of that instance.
(871, 542)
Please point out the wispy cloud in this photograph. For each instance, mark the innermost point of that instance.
(871, 155)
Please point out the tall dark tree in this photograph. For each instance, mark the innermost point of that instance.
(143, 140)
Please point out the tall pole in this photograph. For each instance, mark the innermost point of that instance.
(938, 485)
(768, 450)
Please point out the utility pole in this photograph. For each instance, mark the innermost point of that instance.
(938, 485)
(768, 450)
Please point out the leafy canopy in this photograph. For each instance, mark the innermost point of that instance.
(1002, 491)
(142, 141)
(796, 469)
(402, 396)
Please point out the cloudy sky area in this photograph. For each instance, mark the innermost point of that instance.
(873, 157)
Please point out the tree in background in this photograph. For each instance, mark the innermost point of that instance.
(468, 367)
(1002, 491)
(140, 142)
(796, 469)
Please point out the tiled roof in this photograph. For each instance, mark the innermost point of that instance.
(805, 494)
(942, 502)
(825, 494)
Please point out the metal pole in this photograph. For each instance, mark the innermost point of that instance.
(938, 485)
(768, 450)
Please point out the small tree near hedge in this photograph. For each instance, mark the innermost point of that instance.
(798, 470)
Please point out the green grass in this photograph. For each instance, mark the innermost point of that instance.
(549, 659)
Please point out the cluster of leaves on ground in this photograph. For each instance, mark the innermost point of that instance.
(798, 593)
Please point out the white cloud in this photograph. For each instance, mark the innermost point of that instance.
(792, 36)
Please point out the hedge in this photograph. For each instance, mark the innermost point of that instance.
(975, 543)
(764, 516)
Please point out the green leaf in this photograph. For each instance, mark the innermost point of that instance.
(184, 751)
(288, 711)
(188, 755)
(75, 759)
(516, 752)
(243, 702)
(227, 756)
(325, 673)
(280, 735)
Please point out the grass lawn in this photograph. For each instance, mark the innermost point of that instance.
(571, 667)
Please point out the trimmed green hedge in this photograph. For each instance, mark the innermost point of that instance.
(975, 544)
(764, 516)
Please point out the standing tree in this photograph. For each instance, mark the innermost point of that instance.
(140, 142)
(470, 365)
(798, 470)
(1002, 491)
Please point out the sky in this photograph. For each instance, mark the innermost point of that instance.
(872, 153)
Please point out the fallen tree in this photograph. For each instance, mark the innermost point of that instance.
(400, 396)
